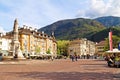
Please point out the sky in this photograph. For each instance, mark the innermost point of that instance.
(40, 13)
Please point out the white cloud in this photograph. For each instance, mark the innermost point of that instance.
(99, 8)
(38, 12)
(115, 8)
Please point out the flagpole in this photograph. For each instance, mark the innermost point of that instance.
(110, 41)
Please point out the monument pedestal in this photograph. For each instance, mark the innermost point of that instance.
(15, 44)
(20, 55)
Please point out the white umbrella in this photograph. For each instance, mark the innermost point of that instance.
(113, 51)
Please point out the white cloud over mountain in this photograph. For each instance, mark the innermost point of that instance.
(99, 8)
(39, 13)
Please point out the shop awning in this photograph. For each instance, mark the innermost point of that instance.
(113, 51)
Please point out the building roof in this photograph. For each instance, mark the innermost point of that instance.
(101, 43)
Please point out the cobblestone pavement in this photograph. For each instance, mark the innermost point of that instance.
(62, 69)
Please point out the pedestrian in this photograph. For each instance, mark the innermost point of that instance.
(72, 58)
(76, 57)
(52, 58)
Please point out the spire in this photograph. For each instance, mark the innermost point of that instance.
(15, 30)
(52, 33)
(16, 21)
(15, 24)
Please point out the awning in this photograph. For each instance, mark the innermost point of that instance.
(113, 51)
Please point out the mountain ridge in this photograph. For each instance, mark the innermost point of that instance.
(109, 21)
(91, 29)
(73, 28)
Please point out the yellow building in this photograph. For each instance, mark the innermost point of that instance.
(74, 47)
(100, 48)
(35, 43)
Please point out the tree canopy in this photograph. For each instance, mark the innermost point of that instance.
(62, 47)
(115, 41)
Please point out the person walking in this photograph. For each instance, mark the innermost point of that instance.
(76, 57)
(72, 57)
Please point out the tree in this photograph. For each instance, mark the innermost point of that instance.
(37, 49)
(62, 47)
(115, 41)
(48, 51)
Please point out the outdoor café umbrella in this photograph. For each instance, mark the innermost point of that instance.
(113, 51)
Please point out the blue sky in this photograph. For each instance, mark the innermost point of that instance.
(39, 13)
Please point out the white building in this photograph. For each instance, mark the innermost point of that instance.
(4, 45)
(82, 47)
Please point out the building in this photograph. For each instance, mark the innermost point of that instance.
(4, 44)
(100, 48)
(33, 42)
(74, 47)
(81, 47)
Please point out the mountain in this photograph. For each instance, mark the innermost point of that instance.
(101, 35)
(109, 21)
(73, 28)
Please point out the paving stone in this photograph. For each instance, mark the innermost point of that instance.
(63, 69)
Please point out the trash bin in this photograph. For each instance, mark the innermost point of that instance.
(0, 56)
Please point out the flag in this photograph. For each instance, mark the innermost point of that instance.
(119, 46)
(110, 41)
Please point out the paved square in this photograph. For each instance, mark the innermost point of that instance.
(63, 69)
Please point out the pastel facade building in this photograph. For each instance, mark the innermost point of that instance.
(81, 47)
(33, 42)
(4, 44)
(100, 48)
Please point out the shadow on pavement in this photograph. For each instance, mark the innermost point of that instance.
(64, 76)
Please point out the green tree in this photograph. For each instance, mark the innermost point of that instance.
(58, 51)
(115, 41)
(62, 46)
(37, 49)
(48, 51)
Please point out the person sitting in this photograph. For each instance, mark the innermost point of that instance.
(110, 62)
(117, 63)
